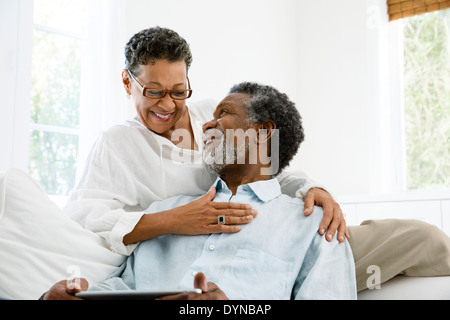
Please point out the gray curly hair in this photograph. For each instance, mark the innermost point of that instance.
(156, 43)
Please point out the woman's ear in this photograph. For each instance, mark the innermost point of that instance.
(126, 82)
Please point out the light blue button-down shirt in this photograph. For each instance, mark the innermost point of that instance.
(279, 255)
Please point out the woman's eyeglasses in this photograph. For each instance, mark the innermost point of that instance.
(159, 94)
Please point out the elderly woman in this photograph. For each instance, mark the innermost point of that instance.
(144, 160)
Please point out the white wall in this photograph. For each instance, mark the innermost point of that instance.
(333, 88)
(315, 51)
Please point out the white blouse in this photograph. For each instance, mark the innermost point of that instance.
(129, 167)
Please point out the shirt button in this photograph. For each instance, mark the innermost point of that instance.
(212, 247)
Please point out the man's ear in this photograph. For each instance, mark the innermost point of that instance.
(126, 81)
(265, 131)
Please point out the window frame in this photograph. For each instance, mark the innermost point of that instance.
(397, 102)
(386, 107)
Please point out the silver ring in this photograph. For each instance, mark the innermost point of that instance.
(221, 220)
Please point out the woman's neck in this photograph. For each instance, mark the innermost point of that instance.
(184, 138)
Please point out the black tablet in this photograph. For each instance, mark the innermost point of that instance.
(131, 294)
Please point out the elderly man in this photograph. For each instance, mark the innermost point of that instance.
(255, 133)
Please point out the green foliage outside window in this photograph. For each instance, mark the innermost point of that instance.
(427, 100)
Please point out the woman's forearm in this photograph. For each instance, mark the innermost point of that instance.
(150, 226)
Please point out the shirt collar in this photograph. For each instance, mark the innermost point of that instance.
(265, 190)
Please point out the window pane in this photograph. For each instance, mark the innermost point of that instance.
(55, 80)
(66, 15)
(52, 161)
(427, 100)
(56, 74)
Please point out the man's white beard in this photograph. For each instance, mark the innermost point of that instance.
(220, 153)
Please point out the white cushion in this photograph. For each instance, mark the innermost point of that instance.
(410, 288)
(40, 246)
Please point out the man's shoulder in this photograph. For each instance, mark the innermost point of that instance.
(292, 202)
(297, 205)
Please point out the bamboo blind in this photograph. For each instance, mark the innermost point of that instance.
(398, 9)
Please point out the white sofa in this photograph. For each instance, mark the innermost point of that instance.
(410, 288)
(39, 246)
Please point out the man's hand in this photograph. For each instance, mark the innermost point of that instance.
(209, 291)
(66, 290)
(333, 218)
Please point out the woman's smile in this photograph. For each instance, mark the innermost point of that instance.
(164, 117)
